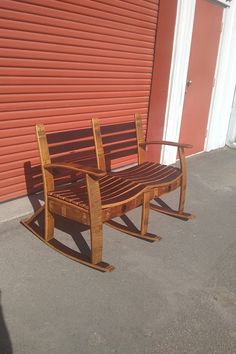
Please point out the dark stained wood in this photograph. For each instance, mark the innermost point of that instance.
(164, 142)
(140, 139)
(76, 167)
(119, 142)
(89, 196)
(157, 179)
(145, 213)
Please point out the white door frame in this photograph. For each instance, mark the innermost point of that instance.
(225, 79)
(178, 76)
(231, 135)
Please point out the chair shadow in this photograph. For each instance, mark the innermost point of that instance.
(5, 341)
(74, 229)
(35, 195)
(67, 227)
(128, 222)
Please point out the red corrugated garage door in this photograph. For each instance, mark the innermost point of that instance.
(63, 62)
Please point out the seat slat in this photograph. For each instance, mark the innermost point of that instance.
(113, 191)
(149, 174)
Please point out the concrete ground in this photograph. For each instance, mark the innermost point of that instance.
(175, 296)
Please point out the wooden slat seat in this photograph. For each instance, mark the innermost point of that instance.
(118, 139)
(114, 191)
(150, 174)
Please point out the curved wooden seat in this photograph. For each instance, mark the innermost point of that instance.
(115, 191)
(157, 178)
(150, 174)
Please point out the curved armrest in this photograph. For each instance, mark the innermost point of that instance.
(163, 142)
(92, 171)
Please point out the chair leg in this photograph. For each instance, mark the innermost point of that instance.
(49, 225)
(131, 230)
(182, 194)
(182, 197)
(180, 214)
(96, 232)
(96, 236)
(145, 213)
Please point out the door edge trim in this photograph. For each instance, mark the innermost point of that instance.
(178, 75)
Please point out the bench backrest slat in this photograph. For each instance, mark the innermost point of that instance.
(64, 146)
(117, 141)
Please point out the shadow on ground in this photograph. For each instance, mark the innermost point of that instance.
(5, 341)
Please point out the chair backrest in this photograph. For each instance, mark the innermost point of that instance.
(103, 147)
(118, 144)
(75, 146)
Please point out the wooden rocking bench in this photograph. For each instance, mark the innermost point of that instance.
(158, 179)
(92, 200)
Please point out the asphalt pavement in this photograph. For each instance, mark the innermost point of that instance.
(176, 296)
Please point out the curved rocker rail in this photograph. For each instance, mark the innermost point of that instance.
(63, 249)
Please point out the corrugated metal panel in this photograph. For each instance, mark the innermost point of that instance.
(63, 62)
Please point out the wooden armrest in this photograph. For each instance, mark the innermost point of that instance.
(78, 168)
(171, 143)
